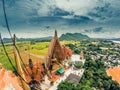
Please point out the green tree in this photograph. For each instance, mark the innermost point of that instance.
(65, 85)
(95, 76)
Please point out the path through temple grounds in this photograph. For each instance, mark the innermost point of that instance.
(66, 74)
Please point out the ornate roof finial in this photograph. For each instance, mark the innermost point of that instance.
(55, 32)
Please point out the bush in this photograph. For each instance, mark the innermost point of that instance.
(70, 63)
(78, 64)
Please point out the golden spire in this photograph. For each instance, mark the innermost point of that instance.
(81, 55)
(18, 66)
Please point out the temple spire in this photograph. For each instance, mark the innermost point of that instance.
(55, 32)
(14, 42)
(19, 67)
(81, 55)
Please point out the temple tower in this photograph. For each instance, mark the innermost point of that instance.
(81, 55)
(55, 53)
(19, 68)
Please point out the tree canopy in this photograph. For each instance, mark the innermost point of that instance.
(94, 77)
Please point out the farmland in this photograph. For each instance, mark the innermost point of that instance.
(36, 51)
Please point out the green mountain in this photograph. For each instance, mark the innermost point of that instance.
(29, 39)
(73, 36)
(67, 36)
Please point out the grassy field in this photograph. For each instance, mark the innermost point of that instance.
(40, 49)
(5, 62)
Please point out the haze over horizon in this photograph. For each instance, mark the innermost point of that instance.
(39, 18)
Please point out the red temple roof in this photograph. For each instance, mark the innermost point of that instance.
(67, 51)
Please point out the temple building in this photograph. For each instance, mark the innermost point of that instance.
(57, 54)
(34, 73)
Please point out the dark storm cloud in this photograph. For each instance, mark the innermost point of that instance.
(95, 30)
(79, 15)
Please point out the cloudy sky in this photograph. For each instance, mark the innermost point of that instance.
(39, 18)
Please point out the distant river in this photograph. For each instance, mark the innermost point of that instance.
(116, 41)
